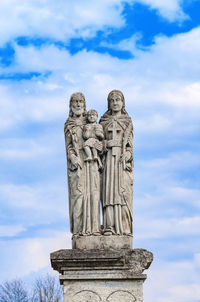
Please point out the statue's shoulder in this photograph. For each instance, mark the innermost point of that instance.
(105, 118)
(127, 119)
(69, 124)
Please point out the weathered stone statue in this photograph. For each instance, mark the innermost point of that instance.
(83, 176)
(117, 190)
(102, 266)
(93, 134)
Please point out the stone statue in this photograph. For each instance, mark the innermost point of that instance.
(83, 175)
(117, 187)
(93, 134)
(104, 267)
(87, 145)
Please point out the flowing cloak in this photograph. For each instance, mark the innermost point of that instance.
(117, 183)
(83, 182)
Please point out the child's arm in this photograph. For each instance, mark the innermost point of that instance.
(86, 132)
(99, 131)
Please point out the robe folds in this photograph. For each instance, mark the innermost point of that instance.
(83, 182)
(117, 179)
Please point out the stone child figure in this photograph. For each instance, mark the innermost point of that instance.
(93, 133)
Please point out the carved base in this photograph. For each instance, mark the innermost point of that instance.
(102, 275)
(102, 242)
(103, 291)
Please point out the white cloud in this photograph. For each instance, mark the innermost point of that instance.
(197, 260)
(187, 95)
(167, 199)
(21, 149)
(184, 293)
(183, 193)
(170, 9)
(57, 20)
(6, 112)
(171, 61)
(30, 255)
(168, 281)
(175, 53)
(164, 75)
(174, 161)
(36, 204)
(168, 228)
(62, 20)
(126, 44)
(10, 230)
(156, 123)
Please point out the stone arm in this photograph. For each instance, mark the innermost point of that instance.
(129, 147)
(72, 156)
(99, 132)
(86, 132)
(127, 153)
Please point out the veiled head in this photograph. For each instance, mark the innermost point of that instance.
(116, 101)
(77, 105)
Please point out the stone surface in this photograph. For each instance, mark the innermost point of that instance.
(102, 242)
(93, 135)
(104, 291)
(83, 175)
(117, 184)
(102, 275)
(93, 149)
(104, 264)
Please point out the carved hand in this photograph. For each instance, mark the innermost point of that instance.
(128, 156)
(124, 158)
(99, 133)
(86, 133)
(76, 161)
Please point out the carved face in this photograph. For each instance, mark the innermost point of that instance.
(116, 102)
(92, 116)
(77, 105)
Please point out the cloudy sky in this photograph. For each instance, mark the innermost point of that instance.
(149, 49)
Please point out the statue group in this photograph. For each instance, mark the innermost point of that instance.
(100, 167)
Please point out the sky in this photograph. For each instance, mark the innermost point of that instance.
(150, 50)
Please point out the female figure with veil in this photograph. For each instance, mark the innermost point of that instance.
(117, 187)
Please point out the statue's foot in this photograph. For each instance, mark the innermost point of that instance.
(128, 234)
(87, 233)
(107, 233)
(96, 234)
(81, 234)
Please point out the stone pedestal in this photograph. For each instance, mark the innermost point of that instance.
(102, 242)
(102, 275)
(105, 291)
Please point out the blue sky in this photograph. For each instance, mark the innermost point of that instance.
(150, 50)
